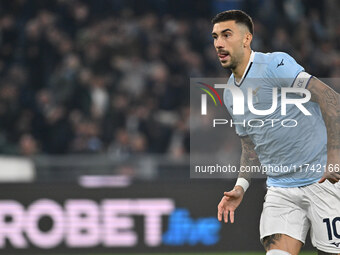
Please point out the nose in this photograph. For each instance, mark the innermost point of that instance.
(218, 43)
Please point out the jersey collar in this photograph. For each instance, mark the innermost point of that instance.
(250, 62)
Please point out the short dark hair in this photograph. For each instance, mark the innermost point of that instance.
(237, 15)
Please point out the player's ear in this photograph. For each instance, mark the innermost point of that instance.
(247, 40)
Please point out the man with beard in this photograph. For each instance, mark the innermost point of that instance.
(308, 195)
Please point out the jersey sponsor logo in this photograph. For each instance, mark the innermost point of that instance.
(255, 94)
(255, 91)
(280, 64)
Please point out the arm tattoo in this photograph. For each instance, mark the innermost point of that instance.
(248, 157)
(329, 102)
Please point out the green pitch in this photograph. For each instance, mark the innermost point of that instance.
(220, 253)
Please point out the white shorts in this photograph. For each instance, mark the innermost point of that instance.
(293, 211)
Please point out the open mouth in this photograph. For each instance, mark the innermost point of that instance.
(223, 56)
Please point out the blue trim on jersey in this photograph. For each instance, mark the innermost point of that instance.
(309, 81)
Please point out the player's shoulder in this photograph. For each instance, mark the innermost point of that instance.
(271, 57)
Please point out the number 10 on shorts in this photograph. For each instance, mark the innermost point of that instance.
(332, 226)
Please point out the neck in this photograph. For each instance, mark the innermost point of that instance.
(241, 67)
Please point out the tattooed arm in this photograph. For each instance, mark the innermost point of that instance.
(248, 157)
(232, 199)
(329, 102)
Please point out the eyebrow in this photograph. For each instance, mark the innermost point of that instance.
(225, 30)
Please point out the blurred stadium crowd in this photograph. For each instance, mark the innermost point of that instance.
(112, 76)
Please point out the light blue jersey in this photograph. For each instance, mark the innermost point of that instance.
(292, 148)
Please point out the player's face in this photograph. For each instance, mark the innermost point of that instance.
(228, 41)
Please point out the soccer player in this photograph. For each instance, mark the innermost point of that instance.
(308, 195)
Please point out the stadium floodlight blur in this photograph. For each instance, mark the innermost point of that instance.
(112, 77)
